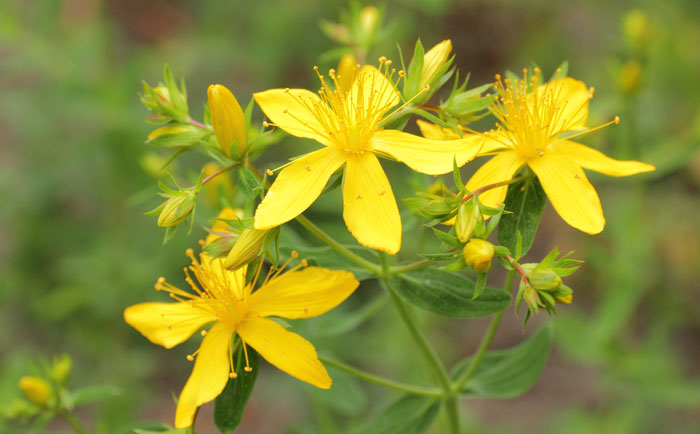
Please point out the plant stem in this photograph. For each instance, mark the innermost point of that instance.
(391, 384)
(198, 124)
(521, 271)
(427, 350)
(485, 342)
(219, 172)
(333, 244)
(494, 185)
(72, 421)
(410, 267)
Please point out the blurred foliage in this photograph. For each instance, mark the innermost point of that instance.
(76, 177)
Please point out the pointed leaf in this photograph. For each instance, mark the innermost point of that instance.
(408, 415)
(230, 405)
(525, 200)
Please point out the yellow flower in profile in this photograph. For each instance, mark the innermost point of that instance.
(223, 298)
(531, 131)
(348, 125)
(433, 60)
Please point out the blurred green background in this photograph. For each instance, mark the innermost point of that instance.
(76, 178)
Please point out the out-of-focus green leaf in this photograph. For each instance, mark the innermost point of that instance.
(509, 373)
(408, 415)
(86, 395)
(447, 293)
(525, 201)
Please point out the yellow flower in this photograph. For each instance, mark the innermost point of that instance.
(227, 118)
(531, 131)
(433, 60)
(223, 299)
(348, 125)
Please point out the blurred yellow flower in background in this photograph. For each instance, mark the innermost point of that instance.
(223, 298)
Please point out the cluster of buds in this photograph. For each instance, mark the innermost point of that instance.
(541, 284)
(40, 392)
(167, 101)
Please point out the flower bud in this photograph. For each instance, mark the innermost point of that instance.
(637, 28)
(433, 60)
(369, 18)
(227, 119)
(163, 93)
(468, 217)
(246, 248)
(629, 77)
(544, 280)
(36, 390)
(177, 208)
(347, 71)
(478, 254)
(61, 368)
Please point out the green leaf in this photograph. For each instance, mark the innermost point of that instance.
(447, 293)
(86, 395)
(346, 396)
(525, 200)
(410, 88)
(248, 183)
(446, 238)
(230, 405)
(480, 285)
(324, 256)
(509, 373)
(408, 415)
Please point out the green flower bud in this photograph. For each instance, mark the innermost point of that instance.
(246, 248)
(637, 28)
(61, 369)
(478, 254)
(177, 208)
(369, 18)
(544, 280)
(468, 217)
(36, 390)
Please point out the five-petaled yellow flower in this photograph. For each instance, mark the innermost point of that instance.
(348, 124)
(223, 299)
(532, 127)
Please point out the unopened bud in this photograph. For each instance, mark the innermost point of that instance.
(369, 18)
(563, 295)
(227, 119)
(532, 299)
(177, 209)
(246, 248)
(61, 368)
(544, 280)
(468, 217)
(629, 77)
(347, 70)
(36, 390)
(163, 93)
(637, 28)
(433, 60)
(478, 254)
(171, 129)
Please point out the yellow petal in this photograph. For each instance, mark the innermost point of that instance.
(568, 189)
(433, 61)
(436, 132)
(571, 98)
(286, 350)
(303, 294)
(293, 111)
(209, 375)
(500, 167)
(370, 210)
(493, 141)
(226, 118)
(167, 324)
(372, 93)
(433, 157)
(296, 187)
(591, 159)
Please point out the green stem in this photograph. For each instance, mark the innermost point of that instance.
(333, 244)
(219, 172)
(429, 354)
(73, 422)
(391, 384)
(485, 342)
(410, 267)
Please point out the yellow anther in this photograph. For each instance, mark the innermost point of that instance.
(203, 333)
(295, 254)
(189, 252)
(190, 358)
(269, 172)
(248, 369)
(304, 263)
(617, 120)
(382, 59)
(266, 124)
(232, 375)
